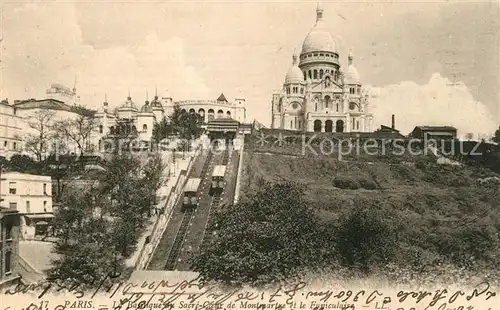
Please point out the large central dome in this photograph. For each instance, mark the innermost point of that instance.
(319, 39)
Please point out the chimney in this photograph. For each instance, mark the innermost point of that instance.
(393, 125)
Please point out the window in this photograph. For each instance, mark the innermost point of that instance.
(8, 231)
(12, 205)
(322, 54)
(305, 76)
(12, 188)
(45, 188)
(302, 90)
(310, 75)
(8, 261)
(14, 146)
(45, 206)
(353, 122)
(299, 124)
(145, 127)
(315, 74)
(5, 144)
(291, 122)
(101, 129)
(28, 207)
(357, 125)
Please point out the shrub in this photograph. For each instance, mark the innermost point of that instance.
(366, 237)
(345, 182)
(368, 184)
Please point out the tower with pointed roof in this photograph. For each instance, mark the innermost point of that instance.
(318, 94)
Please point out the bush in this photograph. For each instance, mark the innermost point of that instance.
(366, 237)
(345, 182)
(368, 184)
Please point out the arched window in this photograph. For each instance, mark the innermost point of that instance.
(305, 76)
(228, 113)
(220, 113)
(327, 102)
(101, 129)
(310, 75)
(191, 111)
(112, 130)
(144, 127)
(134, 129)
(328, 126)
(317, 125)
(183, 110)
(337, 105)
(316, 105)
(201, 112)
(339, 126)
(315, 74)
(210, 114)
(321, 73)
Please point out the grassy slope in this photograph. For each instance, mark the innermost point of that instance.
(431, 201)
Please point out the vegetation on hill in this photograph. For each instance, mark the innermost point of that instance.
(107, 218)
(406, 220)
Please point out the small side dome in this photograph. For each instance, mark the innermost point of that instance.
(156, 103)
(351, 76)
(146, 108)
(294, 74)
(128, 105)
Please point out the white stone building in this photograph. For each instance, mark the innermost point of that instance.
(11, 130)
(317, 94)
(31, 195)
(143, 119)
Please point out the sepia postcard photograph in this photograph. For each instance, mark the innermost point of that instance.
(214, 155)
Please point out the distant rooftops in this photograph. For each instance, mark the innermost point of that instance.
(222, 98)
(440, 128)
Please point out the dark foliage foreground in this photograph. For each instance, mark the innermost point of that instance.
(275, 235)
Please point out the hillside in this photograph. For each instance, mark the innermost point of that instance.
(443, 215)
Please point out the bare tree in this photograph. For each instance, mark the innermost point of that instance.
(79, 131)
(38, 141)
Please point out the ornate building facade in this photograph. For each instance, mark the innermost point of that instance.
(317, 94)
(143, 119)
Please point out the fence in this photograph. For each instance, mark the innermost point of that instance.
(167, 208)
(240, 169)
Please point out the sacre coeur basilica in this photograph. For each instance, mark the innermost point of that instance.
(317, 94)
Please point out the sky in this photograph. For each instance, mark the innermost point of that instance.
(406, 52)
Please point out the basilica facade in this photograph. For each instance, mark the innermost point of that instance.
(317, 94)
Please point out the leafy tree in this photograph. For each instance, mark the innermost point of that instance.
(496, 138)
(162, 130)
(186, 125)
(281, 236)
(85, 249)
(24, 163)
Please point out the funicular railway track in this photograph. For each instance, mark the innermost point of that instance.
(183, 227)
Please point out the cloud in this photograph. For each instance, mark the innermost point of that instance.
(53, 51)
(435, 103)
